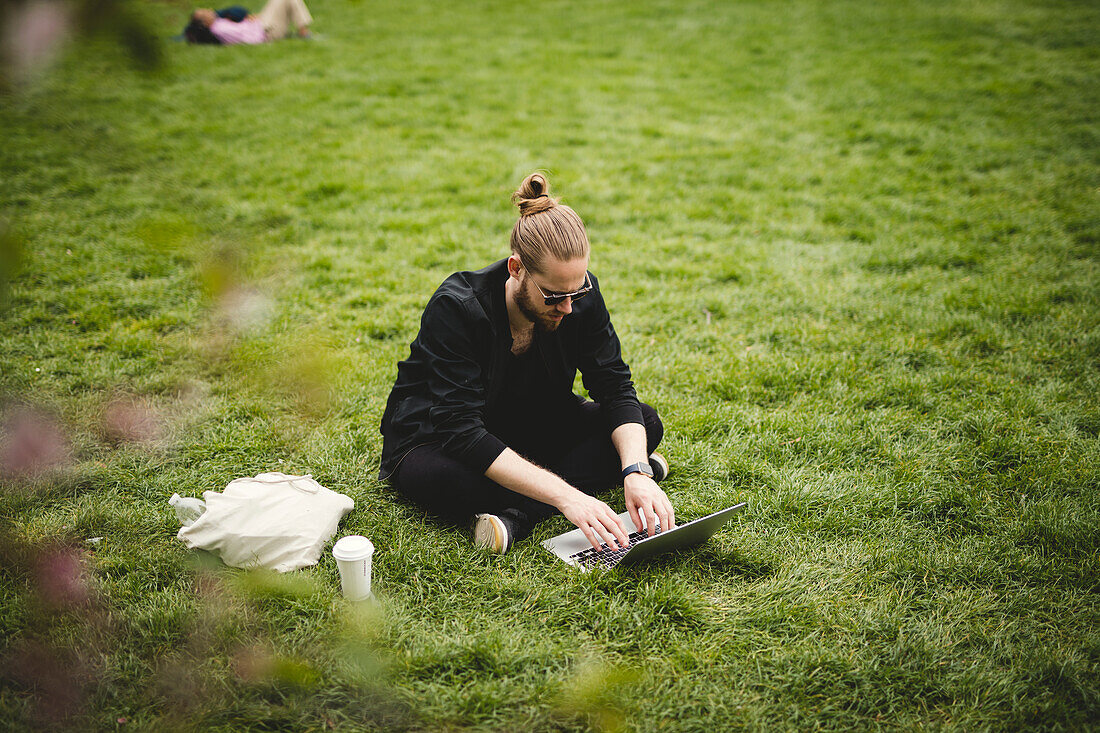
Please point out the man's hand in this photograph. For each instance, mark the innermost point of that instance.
(595, 519)
(647, 503)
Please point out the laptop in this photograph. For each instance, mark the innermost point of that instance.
(574, 548)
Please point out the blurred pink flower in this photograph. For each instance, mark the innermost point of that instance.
(132, 421)
(33, 34)
(31, 442)
(62, 579)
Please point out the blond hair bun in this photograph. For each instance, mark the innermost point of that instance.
(533, 195)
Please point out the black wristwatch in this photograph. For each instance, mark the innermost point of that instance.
(638, 468)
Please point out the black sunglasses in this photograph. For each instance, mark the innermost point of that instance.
(555, 298)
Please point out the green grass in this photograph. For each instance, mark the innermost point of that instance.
(853, 253)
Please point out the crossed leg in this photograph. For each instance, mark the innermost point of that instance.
(453, 492)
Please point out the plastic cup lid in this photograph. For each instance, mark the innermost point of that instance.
(352, 547)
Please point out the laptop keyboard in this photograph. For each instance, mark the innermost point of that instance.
(607, 557)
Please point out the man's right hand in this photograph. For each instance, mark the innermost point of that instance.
(596, 519)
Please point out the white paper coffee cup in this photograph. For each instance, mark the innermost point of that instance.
(353, 555)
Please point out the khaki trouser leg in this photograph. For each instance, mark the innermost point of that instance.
(280, 17)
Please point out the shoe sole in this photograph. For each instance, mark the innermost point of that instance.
(659, 465)
(490, 533)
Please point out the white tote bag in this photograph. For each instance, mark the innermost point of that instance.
(272, 521)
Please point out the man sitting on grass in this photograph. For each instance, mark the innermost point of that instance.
(482, 422)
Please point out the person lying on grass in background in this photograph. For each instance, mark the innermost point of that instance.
(482, 423)
(234, 24)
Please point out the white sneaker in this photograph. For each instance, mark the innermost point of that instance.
(659, 465)
(491, 533)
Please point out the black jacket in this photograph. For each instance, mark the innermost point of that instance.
(451, 379)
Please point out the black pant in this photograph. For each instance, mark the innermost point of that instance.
(583, 456)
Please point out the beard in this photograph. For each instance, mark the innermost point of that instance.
(526, 305)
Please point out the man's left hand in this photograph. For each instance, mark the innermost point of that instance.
(647, 503)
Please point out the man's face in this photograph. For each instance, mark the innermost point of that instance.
(205, 15)
(558, 277)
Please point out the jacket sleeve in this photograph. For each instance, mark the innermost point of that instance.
(605, 375)
(449, 336)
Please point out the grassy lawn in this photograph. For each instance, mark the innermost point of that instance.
(852, 250)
